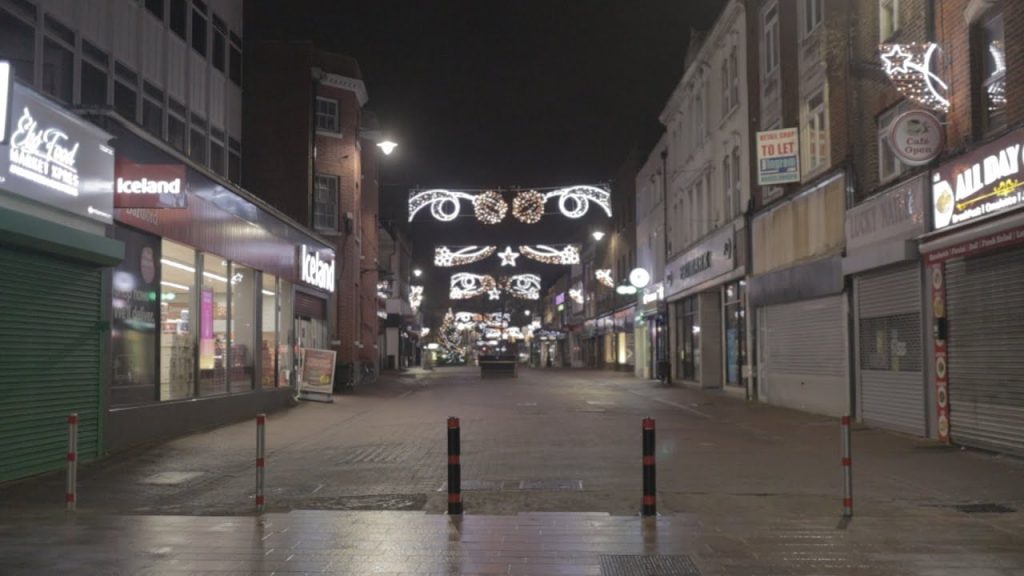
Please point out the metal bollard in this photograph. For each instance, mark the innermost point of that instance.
(847, 469)
(71, 494)
(261, 448)
(454, 469)
(650, 503)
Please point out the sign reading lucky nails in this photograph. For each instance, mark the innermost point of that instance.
(983, 181)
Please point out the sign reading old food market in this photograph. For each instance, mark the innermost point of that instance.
(984, 181)
(708, 259)
(55, 158)
(150, 185)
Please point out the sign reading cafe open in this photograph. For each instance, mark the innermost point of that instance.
(984, 181)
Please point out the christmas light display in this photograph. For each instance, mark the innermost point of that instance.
(490, 207)
(576, 294)
(446, 257)
(568, 254)
(528, 207)
(444, 204)
(415, 296)
(465, 285)
(604, 276)
(909, 67)
(508, 257)
(523, 286)
(494, 294)
(450, 338)
(574, 201)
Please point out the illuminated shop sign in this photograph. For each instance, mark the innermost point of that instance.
(53, 157)
(5, 99)
(709, 259)
(984, 181)
(316, 272)
(150, 185)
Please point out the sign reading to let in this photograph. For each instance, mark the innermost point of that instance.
(778, 157)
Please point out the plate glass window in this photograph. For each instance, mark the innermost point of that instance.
(688, 339)
(735, 333)
(213, 326)
(242, 327)
(286, 335)
(269, 327)
(177, 320)
(326, 115)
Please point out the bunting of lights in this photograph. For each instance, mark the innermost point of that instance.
(490, 206)
(909, 67)
(568, 254)
(415, 296)
(523, 286)
(465, 285)
(447, 257)
(604, 276)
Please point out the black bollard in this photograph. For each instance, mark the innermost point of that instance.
(650, 507)
(454, 469)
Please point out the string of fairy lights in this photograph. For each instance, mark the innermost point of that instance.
(528, 206)
(555, 254)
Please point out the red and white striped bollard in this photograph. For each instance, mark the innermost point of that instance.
(847, 469)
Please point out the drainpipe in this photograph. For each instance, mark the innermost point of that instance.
(664, 239)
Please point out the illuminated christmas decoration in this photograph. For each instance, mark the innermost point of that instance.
(568, 254)
(574, 201)
(604, 276)
(523, 286)
(490, 207)
(909, 67)
(445, 257)
(528, 207)
(415, 296)
(449, 337)
(508, 257)
(576, 294)
(494, 294)
(465, 285)
(383, 289)
(444, 204)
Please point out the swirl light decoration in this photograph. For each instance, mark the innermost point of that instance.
(490, 207)
(574, 201)
(465, 285)
(415, 296)
(568, 254)
(446, 257)
(523, 286)
(444, 204)
(576, 295)
(604, 276)
(528, 207)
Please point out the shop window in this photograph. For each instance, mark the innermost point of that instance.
(213, 326)
(688, 339)
(327, 115)
(177, 320)
(285, 334)
(179, 17)
(94, 85)
(991, 51)
(17, 44)
(325, 203)
(889, 165)
(58, 70)
(269, 329)
(891, 343)
(735, 332)
(888, 18)
(241, 328)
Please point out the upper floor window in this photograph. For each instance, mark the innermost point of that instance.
(220, 43)
(235, 59)
(734, 78)
(814, 15)
(156, 8)
(325, 202)
(327, 115)
(698, 115)
(889, 165)
(199, 27)
(178, 19)
(991, 88)
(771, 40)
(815, 131)
(888, 18)
(734, 205)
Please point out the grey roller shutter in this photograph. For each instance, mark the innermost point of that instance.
(890, 351)
(985, 310)
(802, 347)
(50, 346)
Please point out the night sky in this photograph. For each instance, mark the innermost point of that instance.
(492, 94)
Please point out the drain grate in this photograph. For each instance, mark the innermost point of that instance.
(552, 485)
(984, 508)
(635, 565)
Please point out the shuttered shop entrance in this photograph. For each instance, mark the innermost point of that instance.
(890, 353)
(802, 355)
(985, 311)
(50, 346)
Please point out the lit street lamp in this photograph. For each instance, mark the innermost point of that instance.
(597, 234)
(387, 146)
(417, 272)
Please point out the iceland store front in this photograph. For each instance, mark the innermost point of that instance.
(204, 305)
(56, 189)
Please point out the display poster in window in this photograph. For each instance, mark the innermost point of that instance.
(317, 371)
(207, 346)
(778, 157)
(135, 311)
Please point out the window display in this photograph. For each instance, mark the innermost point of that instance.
(177, 303)
(242, 327)
(213, 326)
(286, 335)
(268, 348)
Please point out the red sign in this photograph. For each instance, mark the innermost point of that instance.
(984, 244)
(150, 185)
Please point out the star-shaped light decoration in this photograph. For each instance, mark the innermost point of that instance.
(508, 257)
(896, 59)
(494, 294)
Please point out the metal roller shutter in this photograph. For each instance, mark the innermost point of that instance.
(802, 348)
(985, 310)
(50, 346)
(890, 352)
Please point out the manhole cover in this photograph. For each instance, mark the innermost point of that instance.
(633, 565)
(551, 485)
(984, 508)
(370, 502)
(170, 478)
(475, 485)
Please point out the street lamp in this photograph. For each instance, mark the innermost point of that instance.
(598, 235)
(387, 146)
(417, 272)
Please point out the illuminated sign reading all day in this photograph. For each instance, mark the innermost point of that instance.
(984, 181)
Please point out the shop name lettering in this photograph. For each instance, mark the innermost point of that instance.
(316, 272)
(695, 265)
(984, 188)
(45, 153)
(147, 186)
(987, 243)
(133, 311)
(889, 211)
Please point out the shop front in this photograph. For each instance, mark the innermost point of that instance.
(884, 264)
(975, 270)
(213, 303)
(706, 294)
(56, 197)
(650, 331)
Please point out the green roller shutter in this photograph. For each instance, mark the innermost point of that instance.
(50, 348)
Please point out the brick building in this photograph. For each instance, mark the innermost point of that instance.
(303, 117)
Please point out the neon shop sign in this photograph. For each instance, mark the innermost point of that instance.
(44, 156)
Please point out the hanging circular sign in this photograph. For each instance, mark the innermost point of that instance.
(639, 277)
(916, 137)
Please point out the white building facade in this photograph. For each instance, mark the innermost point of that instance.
(651, 323)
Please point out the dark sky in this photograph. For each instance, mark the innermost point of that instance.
(492, 93)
